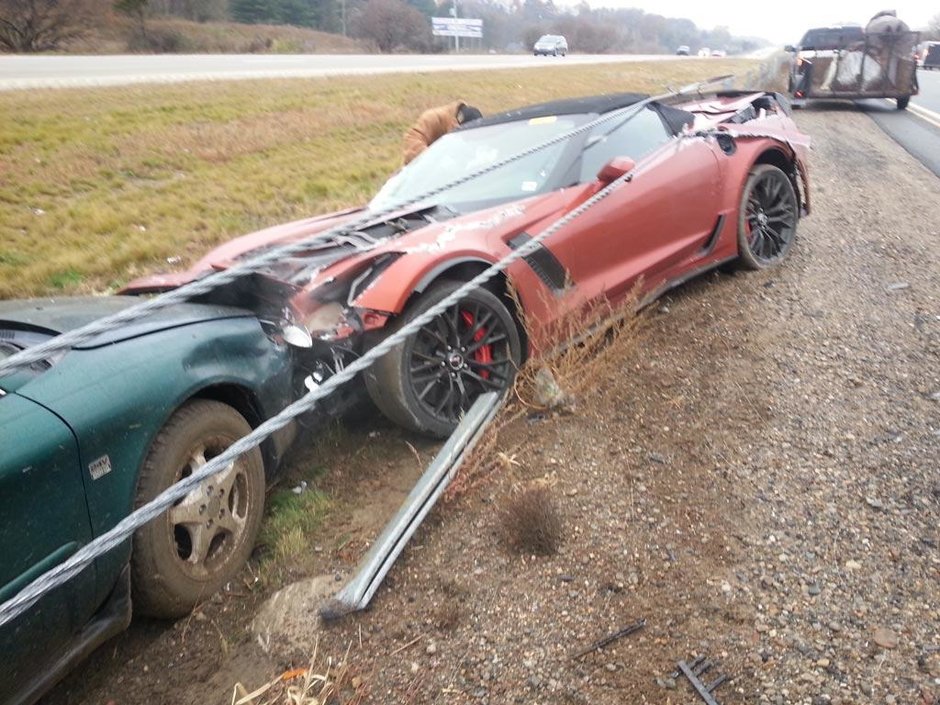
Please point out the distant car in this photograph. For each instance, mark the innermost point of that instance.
(683, 50)
(551, 45)
(704, 51)
(88, 435)
(719, 53)
(741, 197)
(931, 58)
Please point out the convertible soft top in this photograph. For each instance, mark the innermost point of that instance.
(568, 106)
(674, 118)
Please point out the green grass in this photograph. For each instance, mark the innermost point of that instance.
(98, 186)
(291, 519)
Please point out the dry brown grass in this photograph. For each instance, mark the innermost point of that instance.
(530, 522)
(117, 34)
(322, 682)
(583, 346)
(101, 185)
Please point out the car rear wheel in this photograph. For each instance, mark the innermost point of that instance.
(767, 218)
(428, 381)
(903, 101)
(186, 554)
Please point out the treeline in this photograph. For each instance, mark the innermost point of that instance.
(390, 25)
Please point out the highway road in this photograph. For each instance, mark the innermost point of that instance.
(17, 72)
(917, 129)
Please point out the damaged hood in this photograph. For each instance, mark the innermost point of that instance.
(229, 253)
(429, 229)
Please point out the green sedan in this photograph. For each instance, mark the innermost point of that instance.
(88, 435)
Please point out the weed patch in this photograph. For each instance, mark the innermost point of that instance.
(324, 681)
(531, 523)
(291, 517)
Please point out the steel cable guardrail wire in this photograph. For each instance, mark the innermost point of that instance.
(60, 574)
(66, 341)
(55, 577)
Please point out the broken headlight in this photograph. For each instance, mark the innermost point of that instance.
(326, 312)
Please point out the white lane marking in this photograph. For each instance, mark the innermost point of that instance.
(925, 114)
(921, 112)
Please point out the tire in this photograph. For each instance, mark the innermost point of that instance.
(169, 574)
(426, 386)
(903, 101)
(768, 214)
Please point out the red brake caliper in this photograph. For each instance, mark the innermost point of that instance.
(484, 353)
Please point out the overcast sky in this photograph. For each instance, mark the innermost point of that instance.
(780, 22)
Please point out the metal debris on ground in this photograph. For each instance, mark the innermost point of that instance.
(357, 593)
(601, 643)
(694, 671)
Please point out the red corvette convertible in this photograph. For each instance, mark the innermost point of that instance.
(720, 179)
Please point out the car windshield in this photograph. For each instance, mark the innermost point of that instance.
(463, 152)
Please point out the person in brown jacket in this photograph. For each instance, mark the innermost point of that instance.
(435, 123)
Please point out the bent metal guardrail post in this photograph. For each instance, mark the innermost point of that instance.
(357, 593)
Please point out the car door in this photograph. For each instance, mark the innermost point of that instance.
(43, 520)
(646, 225)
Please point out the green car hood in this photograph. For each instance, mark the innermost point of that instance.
(52, 316)
(61, 315)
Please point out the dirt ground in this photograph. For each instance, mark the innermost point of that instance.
(758, 480)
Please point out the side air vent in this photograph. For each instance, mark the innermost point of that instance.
(543, 263)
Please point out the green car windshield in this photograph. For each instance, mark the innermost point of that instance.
(464, 152)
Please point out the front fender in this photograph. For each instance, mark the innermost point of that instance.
(414, 273)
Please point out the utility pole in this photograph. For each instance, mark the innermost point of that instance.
(456, 38)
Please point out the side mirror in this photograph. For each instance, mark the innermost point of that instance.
(614, 169)
(790, 48)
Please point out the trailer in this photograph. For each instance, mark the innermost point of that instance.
(849, 63)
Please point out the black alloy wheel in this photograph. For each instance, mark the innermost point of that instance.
(767, 218)
(430, 380)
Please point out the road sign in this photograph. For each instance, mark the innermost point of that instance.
(457, 27)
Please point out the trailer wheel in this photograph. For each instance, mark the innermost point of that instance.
(903, 101)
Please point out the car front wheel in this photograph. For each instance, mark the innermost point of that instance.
(428, 381)
(767, 218)
(186, 554)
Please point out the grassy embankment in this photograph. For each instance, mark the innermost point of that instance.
(117, 34)
(101, 185)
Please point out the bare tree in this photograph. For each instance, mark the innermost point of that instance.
(41, 25)
(934, 27)
(392, 24)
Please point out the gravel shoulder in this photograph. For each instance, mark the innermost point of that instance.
(758, 480)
